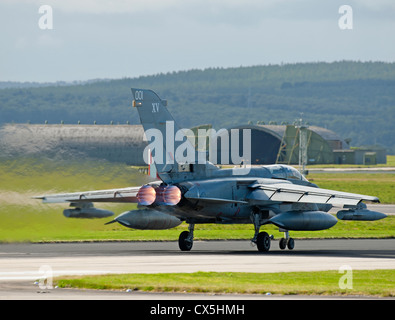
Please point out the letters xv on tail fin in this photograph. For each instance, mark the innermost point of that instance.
(173, 154)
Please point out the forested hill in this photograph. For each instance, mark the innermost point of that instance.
(354, 99)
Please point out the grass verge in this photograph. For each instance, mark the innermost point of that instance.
(381, 185)
(364, 282)
(49, 225)
(27, 220)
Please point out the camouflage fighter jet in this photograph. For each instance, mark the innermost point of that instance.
(199, 192)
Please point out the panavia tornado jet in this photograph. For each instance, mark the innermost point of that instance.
(199, 192)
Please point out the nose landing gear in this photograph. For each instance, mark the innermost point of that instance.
(287, 241)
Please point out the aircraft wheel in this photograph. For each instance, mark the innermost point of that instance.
(291, 243)
(263, 242)
(283, 243)
(183, 242)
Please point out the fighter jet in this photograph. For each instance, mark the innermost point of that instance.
(199, 192)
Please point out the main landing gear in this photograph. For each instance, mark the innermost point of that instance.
(185, 240)
(263, 240)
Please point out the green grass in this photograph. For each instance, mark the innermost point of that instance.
(49, 224)
(26, 219)
(381, 185)
(364, 282)
(390, 163)
(391, 160)
(42, 175)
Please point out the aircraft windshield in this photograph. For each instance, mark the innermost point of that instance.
(285, 172)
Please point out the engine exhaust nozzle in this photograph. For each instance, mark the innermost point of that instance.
(146, 195)
(168, 195)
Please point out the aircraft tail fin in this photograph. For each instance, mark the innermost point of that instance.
(173, 154)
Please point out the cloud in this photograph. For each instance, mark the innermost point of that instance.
(104, 38)
(378, 4)
(135, 6)
(209, 6)
(21, 43)
(101, 6)
(48, 40)
(218, 12)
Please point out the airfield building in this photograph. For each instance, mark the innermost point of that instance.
(281, 144)
(124, 143)
(115, 143)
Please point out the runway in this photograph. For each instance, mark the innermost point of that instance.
(21, 264)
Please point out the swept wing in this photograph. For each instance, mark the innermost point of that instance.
(288, 192)
(110, 195)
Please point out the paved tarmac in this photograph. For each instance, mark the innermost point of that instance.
(22, 264)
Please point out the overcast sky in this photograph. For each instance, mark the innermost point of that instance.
(128, 38)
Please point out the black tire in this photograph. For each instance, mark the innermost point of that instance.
(263, 242)
(283, 243)
(183, 243)
(291, 243)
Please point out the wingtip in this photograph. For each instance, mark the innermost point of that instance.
(375, 200)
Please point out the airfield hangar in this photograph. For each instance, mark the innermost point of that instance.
(124, 143)
(281, 144)
(114, 143)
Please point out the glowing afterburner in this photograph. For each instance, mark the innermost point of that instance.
(146, 195)
(168, 195)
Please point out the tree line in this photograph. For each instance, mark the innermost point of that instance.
(354, 99)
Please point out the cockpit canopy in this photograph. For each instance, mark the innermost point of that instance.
(280, 171)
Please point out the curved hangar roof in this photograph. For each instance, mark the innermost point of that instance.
(280, 144)
(116, 143)
(124, 143)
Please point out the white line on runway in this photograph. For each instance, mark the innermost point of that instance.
(36, 275)
(29, 268)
